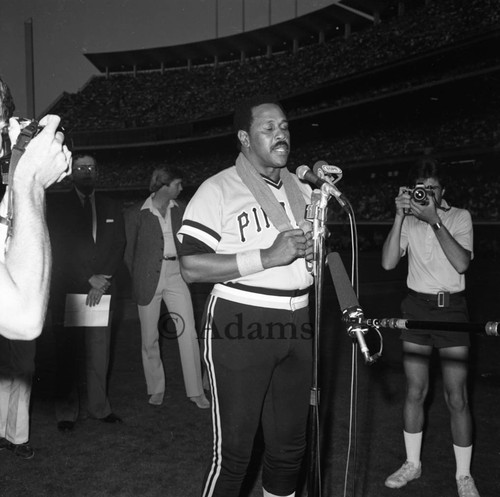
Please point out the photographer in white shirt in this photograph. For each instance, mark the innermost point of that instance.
(25, 257)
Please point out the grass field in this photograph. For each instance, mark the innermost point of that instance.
(163, 451)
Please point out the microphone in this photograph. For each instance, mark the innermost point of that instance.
(304, 173)
(352, 314)
(328, 172)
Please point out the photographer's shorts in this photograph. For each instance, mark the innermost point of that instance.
(422, 309)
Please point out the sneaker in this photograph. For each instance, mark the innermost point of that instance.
(466, 487)
(24, 451)
(407, 472)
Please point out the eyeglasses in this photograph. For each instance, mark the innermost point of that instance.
(81, 168)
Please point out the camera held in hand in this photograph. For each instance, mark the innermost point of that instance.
(419, 194)
(29, 129)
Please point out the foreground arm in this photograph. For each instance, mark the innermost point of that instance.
(391, 251)
(458, 256)
(213, 268)
(25, 273)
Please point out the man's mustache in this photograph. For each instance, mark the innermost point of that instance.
(281, 143)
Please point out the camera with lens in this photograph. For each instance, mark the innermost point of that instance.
(29, 129)
(419, 194)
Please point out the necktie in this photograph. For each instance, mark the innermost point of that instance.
(87, 214)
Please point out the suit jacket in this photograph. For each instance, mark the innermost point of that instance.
(144, 250)
(76, 257)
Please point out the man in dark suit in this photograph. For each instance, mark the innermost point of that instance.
(88, 240)
(151, 257)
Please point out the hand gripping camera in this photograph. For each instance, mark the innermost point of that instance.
(10, 156)
(419, 194)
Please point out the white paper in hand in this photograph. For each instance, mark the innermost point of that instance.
(77, 313)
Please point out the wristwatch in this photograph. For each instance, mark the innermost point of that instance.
(437, 226)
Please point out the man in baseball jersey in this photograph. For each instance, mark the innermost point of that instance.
(244, 230)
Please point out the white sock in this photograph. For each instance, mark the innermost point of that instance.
(413, 445)
(463, 456)
(268, 494)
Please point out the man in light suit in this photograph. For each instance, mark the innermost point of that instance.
(88, 239)
(151, 257)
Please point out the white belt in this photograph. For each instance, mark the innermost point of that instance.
(257, 299)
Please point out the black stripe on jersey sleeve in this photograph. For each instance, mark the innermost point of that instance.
(193, 246)
(202, 227)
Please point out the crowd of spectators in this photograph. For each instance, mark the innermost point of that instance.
(474, 126)
(472, 186)
(436, 75)
(471, 129)
(372, 197)
(371, 194)
(179, 95)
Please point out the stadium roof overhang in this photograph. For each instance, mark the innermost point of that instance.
(301, 30)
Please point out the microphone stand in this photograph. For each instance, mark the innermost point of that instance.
(319, 219)
(489, 328)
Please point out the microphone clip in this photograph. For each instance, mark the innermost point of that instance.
(331, 174)
(354, 320)
(356, 327)
(316, 215)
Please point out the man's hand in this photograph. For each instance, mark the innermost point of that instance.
(46, 160)
(100, 282)
(94, 297)
(307, 228)
(427, 212)
(288, 246)
(402, 201)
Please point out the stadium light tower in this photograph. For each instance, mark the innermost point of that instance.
(269, 13)
(270, 10)
(216, 19)
(30, 67)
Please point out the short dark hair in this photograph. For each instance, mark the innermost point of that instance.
(79, 155)
(243, 112)
(426, 167)
(164, 175)
(6, 102)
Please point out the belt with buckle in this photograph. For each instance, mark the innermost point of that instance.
(441, 298)
(167, 258)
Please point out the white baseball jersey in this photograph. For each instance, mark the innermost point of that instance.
(225, 218)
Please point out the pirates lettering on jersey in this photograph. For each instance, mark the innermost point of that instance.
(256, 221)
